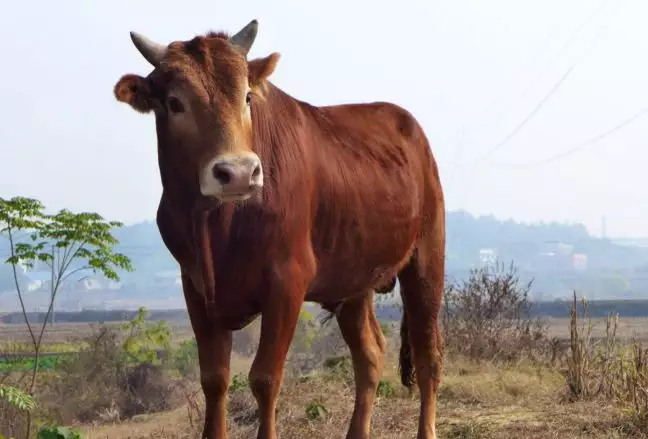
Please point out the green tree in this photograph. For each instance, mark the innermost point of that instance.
(17, 398)
(142, 338)
(67, 243)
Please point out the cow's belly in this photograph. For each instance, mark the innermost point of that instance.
(350, 271)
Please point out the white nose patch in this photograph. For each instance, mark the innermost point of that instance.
(232, 177)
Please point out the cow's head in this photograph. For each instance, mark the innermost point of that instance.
(200, 91)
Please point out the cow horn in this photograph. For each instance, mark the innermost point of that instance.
(153, 52)
(244, 39)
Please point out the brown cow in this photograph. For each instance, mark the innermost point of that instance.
(268, 202)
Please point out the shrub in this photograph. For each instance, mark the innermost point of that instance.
(385, 389)
(185, 359)
(607, 367)
(312, 343)
(316, 411)
(14, 403)
(17, 398)
(118, 379)
(488, 316)
(239, 382)
(58, 433)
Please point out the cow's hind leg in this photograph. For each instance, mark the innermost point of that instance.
(422, 284)
(362, 333)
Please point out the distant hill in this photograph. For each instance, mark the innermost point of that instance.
(466, 236)
(523, 242)
(545, 252)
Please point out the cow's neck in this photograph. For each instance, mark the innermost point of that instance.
(278, 130)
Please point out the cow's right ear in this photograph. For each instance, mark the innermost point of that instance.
(134, 90)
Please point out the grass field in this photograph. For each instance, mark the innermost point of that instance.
(69, 334)
(477, 399)
(66, 336)
(629, 327)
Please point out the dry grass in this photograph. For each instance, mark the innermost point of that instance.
(504, 378)
(475, 401)
(604, 368)
(480, 401)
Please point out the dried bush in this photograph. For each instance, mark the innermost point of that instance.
(314, 341)
(632, 388)
(13, 420)
(607, 367)
(487, 317)
(100, 384)
(590, 361)
(246, 341)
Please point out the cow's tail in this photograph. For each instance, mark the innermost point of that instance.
(405, 364)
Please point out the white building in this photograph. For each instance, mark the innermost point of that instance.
(487, 257)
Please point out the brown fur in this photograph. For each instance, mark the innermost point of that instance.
(352, 199)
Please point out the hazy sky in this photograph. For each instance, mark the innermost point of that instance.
(470, 71)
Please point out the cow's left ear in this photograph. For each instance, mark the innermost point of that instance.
(261, 68)
(134, 90)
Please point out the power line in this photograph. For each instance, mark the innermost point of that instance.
(531, 114)
(577, 32)
(581, 145)
(596, 40)
(552, 91)
(459, 147)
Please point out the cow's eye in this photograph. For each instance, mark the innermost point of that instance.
(248, 98)
(174, 104)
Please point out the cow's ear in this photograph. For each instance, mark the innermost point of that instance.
(261, 68)
(134, 90)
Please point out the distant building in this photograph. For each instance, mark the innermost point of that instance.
(487, 257)
(579, 261)
(37, 280)
(563, 249)
(555, 256)
(547, 261)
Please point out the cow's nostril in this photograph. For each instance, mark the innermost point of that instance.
(222, 174)
(257, 171)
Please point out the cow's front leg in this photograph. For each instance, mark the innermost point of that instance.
(278, 321)
(214, 349)
(214, 358)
